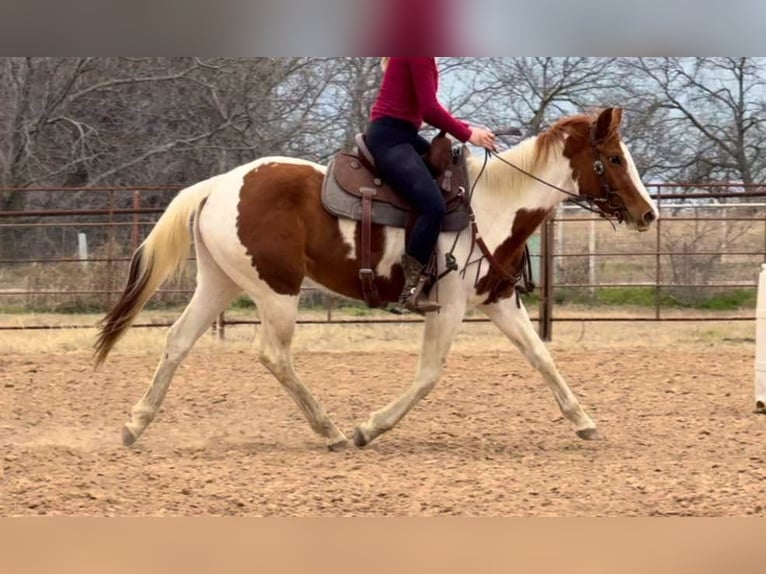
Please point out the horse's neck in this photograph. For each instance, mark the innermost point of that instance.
(503, 191)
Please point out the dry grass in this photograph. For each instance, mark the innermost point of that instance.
(405, 337)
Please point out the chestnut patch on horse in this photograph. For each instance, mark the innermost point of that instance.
(288, 235)
(270, 226)
(509, 254)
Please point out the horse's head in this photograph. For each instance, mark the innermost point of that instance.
(605, 173)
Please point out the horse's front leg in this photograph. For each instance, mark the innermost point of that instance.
(440, 330)
(514, 322)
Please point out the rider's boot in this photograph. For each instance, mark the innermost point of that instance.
(415, 280)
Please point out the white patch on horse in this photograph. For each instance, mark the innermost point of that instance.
(348, 231)
(393, 247)
(503, 190)
(636, 178)
(218, 222)
(296, 161)
(253, 166)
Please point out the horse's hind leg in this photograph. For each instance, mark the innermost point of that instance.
(214, 292)
(514, 322)
(278, 314)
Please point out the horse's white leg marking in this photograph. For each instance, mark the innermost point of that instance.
(514, 322)
(278, 314)
(214, 292)
(438, 335)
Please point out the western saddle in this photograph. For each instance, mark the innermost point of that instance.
(353, 189)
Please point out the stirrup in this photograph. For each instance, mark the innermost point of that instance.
(414, 303)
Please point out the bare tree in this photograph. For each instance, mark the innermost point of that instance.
(530, 93)
(359, 80)
(710, 110)
(87, 121)
(128, 121)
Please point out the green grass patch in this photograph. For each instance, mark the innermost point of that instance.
(669, 297)
(243, 302)
(728, 300)
(14, 309)
(641, 296)
(356, 310)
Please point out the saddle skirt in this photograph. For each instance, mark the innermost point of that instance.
(351, 181)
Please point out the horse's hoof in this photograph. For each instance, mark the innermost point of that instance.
(128, 438)
(760, 408)
(338, 445)
(360, 441)
(590, 434)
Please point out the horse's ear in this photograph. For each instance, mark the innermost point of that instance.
(607, 123)
(616, 117)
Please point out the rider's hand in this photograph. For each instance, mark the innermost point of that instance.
(483, 137)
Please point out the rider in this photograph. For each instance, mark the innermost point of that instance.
(407, 98)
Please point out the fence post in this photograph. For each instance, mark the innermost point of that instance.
(330, 301)
(134, 234)
(545, 327)
(110, 252)
(764, 239)
(592, 258)
(760, 343)
(82, 250)
(558, 264)
(658, 268)
(220, 326)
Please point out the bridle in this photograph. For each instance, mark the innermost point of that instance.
(609, 204)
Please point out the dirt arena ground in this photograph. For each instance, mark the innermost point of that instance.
(675, 402)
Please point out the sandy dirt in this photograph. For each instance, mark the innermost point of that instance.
(489, 440)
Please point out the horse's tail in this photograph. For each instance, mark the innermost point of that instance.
(163, 253)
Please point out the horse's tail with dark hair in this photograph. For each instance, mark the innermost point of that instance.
(163, 253)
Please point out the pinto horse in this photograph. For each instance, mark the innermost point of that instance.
(261, 229)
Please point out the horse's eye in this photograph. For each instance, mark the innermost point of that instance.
(615, 160)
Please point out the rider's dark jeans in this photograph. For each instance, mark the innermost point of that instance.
(397, 148)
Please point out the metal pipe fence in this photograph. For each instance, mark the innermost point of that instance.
(671, 269)
(55, 258)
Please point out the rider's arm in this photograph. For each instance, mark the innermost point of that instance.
(424, 79)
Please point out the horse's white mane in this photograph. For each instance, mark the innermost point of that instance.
(498, 176)
(530, 155)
